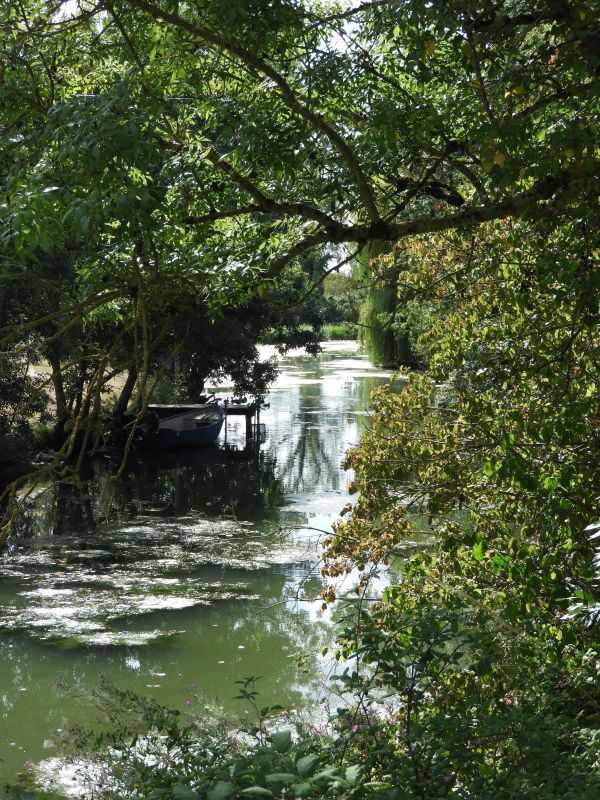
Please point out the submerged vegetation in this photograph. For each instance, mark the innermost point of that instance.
(178, 177)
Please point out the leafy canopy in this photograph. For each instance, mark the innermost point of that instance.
(217, 144)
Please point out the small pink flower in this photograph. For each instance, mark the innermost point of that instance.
(188, 701)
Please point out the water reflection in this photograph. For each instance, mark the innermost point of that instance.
(243, 481)
(190, 579)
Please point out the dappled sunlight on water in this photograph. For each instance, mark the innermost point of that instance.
(206, 570)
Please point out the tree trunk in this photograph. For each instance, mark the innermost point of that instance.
(124, 398)
(62, 409)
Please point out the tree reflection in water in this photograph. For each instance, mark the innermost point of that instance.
(244, 483)
(178, 568)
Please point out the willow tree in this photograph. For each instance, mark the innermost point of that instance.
(378, 311)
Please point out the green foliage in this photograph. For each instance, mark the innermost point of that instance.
(344, 295)
(23, 393)
(189, 161)
(471, 704)
(385, 340)
(487, 648)
(182, 159)
(340, 331)
(19, 793)
(155, 754)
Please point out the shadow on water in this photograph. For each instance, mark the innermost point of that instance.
(178, 571)
(240, 481)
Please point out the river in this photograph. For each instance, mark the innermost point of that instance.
(205, 572)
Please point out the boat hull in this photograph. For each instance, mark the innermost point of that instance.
(193, 427)
(166, 437)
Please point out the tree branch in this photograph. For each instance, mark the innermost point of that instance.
(315, 239)
(344, 15)
(287, 93)
(515, 206)
(266, 203)
(227, 213)
(512, 206)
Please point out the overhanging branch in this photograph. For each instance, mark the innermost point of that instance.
(533, 201)
(266, 204)
(303, 246)
(288, 96)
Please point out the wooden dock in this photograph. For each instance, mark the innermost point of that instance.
(251, 412)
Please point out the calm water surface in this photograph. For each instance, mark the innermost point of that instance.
(207, 571)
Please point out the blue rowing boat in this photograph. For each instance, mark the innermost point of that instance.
(181, 425)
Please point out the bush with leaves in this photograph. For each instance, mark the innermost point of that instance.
(488, 645)
(145, 750)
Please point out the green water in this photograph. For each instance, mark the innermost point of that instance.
(206, 572)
